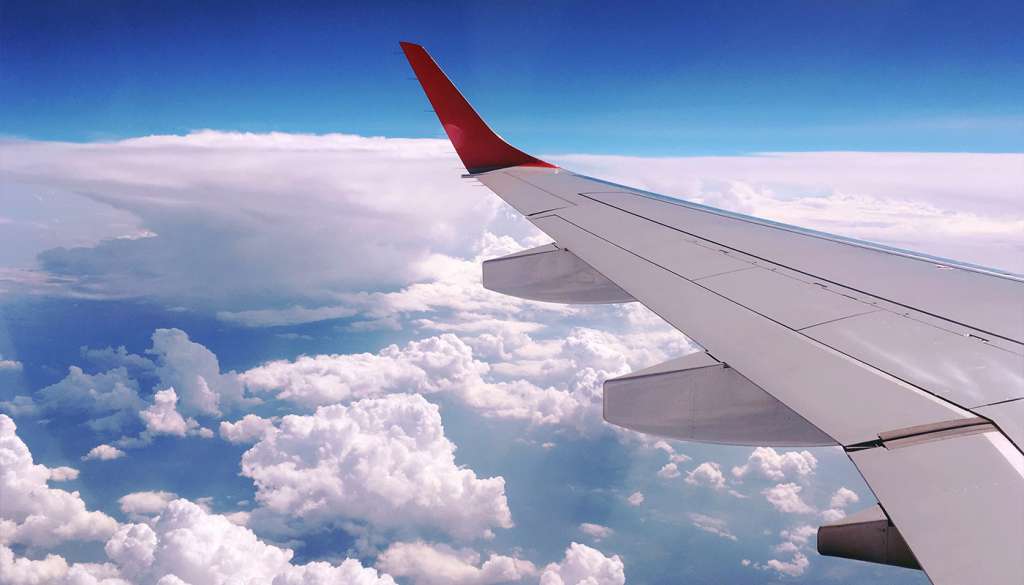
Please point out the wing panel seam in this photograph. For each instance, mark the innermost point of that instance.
(872, 367)
(797, 270)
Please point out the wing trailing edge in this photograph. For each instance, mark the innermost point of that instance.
(698, 398)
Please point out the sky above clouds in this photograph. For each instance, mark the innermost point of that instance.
(262, 354)
(660, 79)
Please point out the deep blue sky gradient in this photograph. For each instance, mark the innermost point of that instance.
(661, 78)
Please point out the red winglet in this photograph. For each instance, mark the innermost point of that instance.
(478, 146)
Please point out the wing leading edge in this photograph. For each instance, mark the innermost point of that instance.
(914, 365)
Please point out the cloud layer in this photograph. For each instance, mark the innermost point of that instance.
(286, 224)
(381, 461)
(185, 544)
(31, 512)
(310, 214)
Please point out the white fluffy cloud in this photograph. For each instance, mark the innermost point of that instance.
(596, 531)
(708, 473)
(669, 450)
(583, 565)
(635, 499)
(785, 497)
(382, 461)
(144, 504)
(111, 399)
(162, 417)
(194, 372)
(186, 544)
(54, 570)
(248, 429)
(842, 498)
(425, 366)
(63, 473)
(438, 564)
(770, 464)
(794, 543)
(33, 513)
(669, 471)
(800, 535)
(23, 571)
(713, 525)
(447, 363)
(793, 567)
(103, 452)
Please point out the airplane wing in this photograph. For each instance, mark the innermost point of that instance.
(914, 365)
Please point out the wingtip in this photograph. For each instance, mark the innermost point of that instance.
(477, 145)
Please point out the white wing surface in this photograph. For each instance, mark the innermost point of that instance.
(913, 364)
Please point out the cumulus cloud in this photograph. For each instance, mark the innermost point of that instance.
(584, 565)
(768, 463)
(669, 471)
(54, 570)
(249, 429)
(439, 564)
(139, 505)
(669, 450)
(162, 417)
(446, 363)
(186, 544)
(794, 543)
(23, 571)
(708, 473)
(63, 473)
(31, 512)
(793, 567)
(103, 453)
(596, 531)
(194, 372)
(425, 366)
(713, 525)
(800, 535)
(110, 399)
(382, 461)
(635, 499)
(842, 498)
(785, 497)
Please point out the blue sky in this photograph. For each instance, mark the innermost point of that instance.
(658, 79)
(196, 198)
